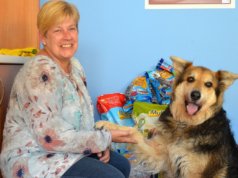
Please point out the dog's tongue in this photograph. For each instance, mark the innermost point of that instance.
(192, 108)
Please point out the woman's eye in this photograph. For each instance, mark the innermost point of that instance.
(208, 84)
(58, 30)
(72, 29)
(190, 79)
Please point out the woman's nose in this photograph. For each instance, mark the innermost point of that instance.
(66, 34)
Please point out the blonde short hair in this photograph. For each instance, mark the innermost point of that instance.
(54, 12)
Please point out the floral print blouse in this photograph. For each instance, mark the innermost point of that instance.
(49, 123)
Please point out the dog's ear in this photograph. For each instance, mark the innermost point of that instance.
(179, 65)
(225, 79)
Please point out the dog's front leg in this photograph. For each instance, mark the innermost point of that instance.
(151, 153)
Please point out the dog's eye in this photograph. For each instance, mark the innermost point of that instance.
(190, 79)
(208, 84)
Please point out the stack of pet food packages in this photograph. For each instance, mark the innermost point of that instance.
(143, 102)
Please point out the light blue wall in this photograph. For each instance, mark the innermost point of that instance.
(119, 40)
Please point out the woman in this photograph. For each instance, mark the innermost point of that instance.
(49, 125)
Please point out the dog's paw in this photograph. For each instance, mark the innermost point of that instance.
(105, 125)
(99, 125)
(111, 126)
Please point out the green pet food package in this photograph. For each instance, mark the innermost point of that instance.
(146, 115)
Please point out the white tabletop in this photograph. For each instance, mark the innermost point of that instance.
(6, 59)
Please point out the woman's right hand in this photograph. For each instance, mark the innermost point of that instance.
(122, 136)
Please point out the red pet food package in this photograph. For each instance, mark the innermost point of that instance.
(110, 107)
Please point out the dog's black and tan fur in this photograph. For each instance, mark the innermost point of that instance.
(192, 138)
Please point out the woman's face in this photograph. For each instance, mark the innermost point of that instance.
(61, 40)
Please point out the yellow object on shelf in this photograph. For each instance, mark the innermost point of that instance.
(19, 52)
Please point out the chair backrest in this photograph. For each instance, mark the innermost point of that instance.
(1, 108)
(7, 75)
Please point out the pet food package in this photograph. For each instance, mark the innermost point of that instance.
(160, 87)
(163, 65)
(146, 115)
(161, 80)
(110, 107)
(138, 90)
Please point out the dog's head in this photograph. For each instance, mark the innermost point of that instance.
(197, 91)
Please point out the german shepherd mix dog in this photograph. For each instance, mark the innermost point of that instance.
(192, 138)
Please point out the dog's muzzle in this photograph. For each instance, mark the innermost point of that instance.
(191, 106)
(195, 95)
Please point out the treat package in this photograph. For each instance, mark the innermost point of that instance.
(163, 65)
(146, 115)
(138, 90)
(161, 80)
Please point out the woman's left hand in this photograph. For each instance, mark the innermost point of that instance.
(104, 156)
